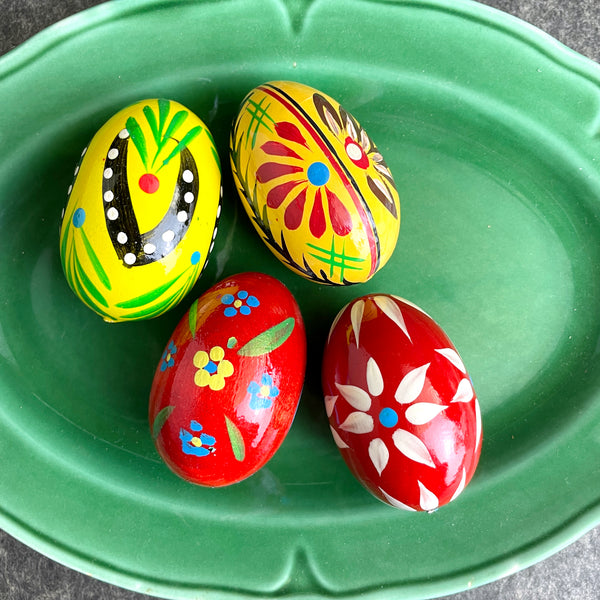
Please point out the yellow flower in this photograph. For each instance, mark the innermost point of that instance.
(212, 368)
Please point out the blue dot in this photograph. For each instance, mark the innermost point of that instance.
(388, 417)
(242, 295)
(79, 217)
(253, 301)
(195, 258)
(211, 367)
(195, 426)
(227, 299)
(318, 173)
(230, 311)
(244, 310)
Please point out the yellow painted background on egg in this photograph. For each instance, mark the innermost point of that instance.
(92, 267)
(282, 131)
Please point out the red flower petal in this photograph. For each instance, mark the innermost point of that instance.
(271, 170)
(295, 211)
(341, 221)
(279, 149)
(278, 194)
(289, 131)
(317, 223)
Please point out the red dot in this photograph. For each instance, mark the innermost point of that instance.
(149, 183)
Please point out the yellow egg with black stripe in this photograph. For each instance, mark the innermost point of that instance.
(142, 211)
(314, 184)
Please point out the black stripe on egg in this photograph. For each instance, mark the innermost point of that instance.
(339, 160)
(133, 247)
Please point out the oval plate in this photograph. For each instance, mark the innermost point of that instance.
(492, 131)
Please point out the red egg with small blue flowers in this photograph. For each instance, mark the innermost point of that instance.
(401, 405)
(227, 387)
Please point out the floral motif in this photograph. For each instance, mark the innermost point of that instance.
(242, 302)
(195, 443)
(167, 357)
(302, 183)
(213, 368)
(361, 421)
(263, 393)
(361, 150)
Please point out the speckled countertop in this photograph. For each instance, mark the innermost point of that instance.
(573, 573)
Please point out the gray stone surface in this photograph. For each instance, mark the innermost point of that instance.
(573, 573)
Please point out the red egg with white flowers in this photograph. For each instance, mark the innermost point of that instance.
(400, 403)
(227, 387)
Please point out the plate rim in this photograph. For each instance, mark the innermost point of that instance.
(533, 552)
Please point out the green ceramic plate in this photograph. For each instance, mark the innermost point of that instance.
(492, 130)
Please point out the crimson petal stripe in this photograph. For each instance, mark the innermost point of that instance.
(271, 170)
(275, 148)
(278, 194)
(342, 171)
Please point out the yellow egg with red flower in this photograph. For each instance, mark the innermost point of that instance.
(314, 184)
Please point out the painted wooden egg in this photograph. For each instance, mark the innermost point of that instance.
(142, 211)
(400, 403)
(226, 389)
(314, 184)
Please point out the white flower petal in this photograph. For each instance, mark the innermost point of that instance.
(411, 385)
(423, 412)
(350, 129)
(453, 357)
(396, 503)
(332, 123)
(379, 454)
(461, 485)
(383, 188)
(364, 140)
(356, 315)
(392, 310)
(428, 500)
(339, 442)
(355, 397)
(329, 404)
(374, 378)
(478, 422)
(358, 422)
(464, 392)
(412, 447)
(410, 304)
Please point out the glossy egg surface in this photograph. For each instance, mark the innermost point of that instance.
(314, 184)
(142, 211)
(227, 387)
(401, 406)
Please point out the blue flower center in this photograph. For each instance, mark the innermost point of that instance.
(318, 173)
(388, 417)
(211, 367)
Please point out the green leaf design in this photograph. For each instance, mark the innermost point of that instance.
(138, 139)
(164, 106)
(89, 286)
(151, 118)
(148, 297)
(96, 264)
(268, 340)
(174, 125)
(193, 317)
(160, 420)
(236, 439)
(187, 138)
(63, 244)
(81, 292)
(231, 342)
